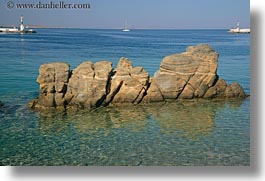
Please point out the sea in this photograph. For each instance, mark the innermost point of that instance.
(178, 133)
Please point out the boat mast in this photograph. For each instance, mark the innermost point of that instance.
(125, 26)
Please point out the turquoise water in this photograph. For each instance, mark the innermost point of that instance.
(180, 133)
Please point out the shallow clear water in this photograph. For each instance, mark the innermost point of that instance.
(179, 133)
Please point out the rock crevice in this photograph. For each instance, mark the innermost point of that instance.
(188, 75)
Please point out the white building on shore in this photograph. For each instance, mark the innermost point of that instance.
(238, 29)
(16, 30)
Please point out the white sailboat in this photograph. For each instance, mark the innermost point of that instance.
(126, 27)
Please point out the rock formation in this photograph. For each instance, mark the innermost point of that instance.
(131, 83)
(188, 75)
(87, 86)
(53, 79)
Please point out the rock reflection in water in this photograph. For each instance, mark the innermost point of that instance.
(191, 119)
(90, 122)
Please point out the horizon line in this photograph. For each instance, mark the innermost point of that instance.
(97, 28)
(130, 28)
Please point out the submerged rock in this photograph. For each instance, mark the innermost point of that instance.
(1, 104)
(188, 75)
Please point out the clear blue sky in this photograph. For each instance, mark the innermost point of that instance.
(161, 14)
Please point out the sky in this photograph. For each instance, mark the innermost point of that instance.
(140, 14)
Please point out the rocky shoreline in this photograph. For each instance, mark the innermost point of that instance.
(188, 75)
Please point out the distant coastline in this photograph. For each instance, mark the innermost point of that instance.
(35, 26)
(95, 28)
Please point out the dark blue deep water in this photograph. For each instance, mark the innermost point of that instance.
(179, 133)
